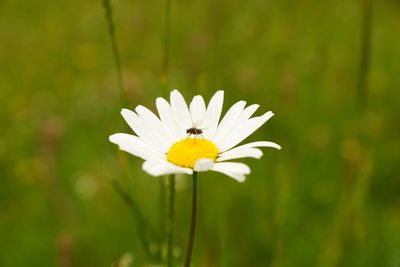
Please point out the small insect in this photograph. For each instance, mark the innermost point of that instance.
(194, 131)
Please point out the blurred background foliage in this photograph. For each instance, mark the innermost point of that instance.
(330, 197)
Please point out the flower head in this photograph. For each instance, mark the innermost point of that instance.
(184, 139)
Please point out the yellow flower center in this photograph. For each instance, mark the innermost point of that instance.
(186, 152)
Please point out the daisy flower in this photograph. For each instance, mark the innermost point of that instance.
(184, 139)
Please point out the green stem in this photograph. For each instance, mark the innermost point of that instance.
(161, 217)
(114, 47)
(170, 219)
(163, 83)
(192, 223)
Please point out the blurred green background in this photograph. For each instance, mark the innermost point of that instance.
(330, 197)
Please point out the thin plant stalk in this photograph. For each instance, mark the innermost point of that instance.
(161, 217)
(115, 50)
(365, 51)
(192, 230)
(170, 219)
(125, 196)
(163, 83)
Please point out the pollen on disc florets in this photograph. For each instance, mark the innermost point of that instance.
(186, 152)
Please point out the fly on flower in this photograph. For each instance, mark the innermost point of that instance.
(169, 143)
(194, 131)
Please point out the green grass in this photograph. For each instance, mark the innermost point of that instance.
(330, 197)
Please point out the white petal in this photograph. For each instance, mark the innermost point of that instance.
(158, 168)
(203, 165)
(237, 176)
(135, 146)
(180, 112)
(167, 120)
(197, 111)
(213, 114)
(240, 153)
(229, 121)
(256, 144)
(154, 123)
(248, 111)
(233, 167)
(248, 128)
(235, 170)
(241, 121)
(144, 131)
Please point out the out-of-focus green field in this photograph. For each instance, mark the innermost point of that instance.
(330, 197)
